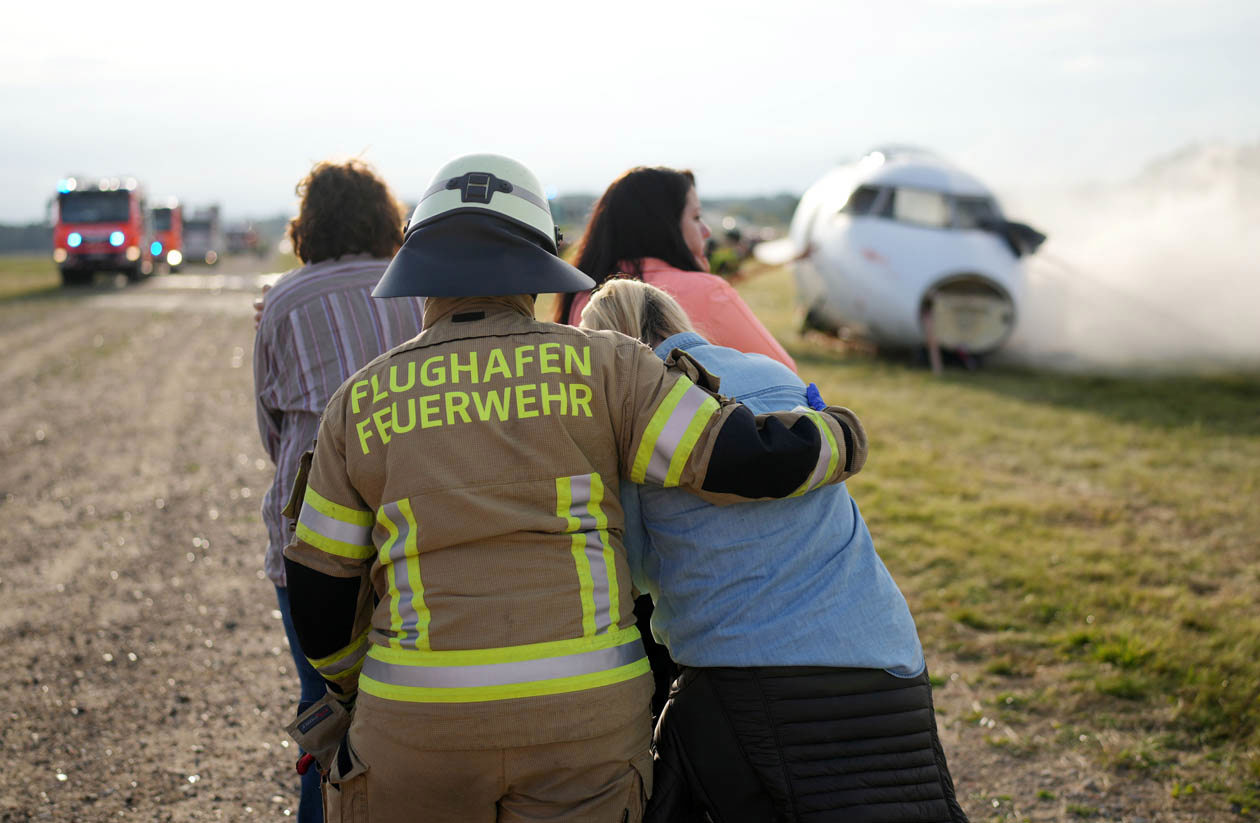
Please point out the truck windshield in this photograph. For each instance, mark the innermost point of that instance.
(94, 207)
(162, 219)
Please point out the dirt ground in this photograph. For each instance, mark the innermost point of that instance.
(144, 662)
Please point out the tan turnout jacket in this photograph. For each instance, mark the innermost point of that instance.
(470, 477)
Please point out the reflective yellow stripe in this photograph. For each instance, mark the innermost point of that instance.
(395, 619)
(327, 544)
(705, 413)
(577, 547)
(349, 673)
(564, 502)
(505, 654)
(654, 428)
(610, 562)
(336, 511)
(334, 528)
(399, 556)
(343, 663)
(586, 586)
(479, 675)
(827, 450)
(831, 441)
(481, 694)
(423, 617)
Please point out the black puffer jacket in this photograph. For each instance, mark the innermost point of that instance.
(801, 744)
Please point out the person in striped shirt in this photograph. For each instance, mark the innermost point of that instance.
(318, 325)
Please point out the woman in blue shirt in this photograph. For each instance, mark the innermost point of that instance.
(803, 692)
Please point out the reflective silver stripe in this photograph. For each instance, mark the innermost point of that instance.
(334, 529)
(599, 581)
(824, 456)
(517, 191)
(672, 433)
(579, 507)
(579, 497)
(349, 661)
(503, 674)
(529, 197)
(432, 190)
(402, 582)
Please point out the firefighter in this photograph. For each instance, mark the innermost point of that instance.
(457, 574)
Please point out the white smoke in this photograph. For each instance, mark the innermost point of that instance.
(1161, 272)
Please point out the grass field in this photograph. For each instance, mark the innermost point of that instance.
(1084, 549)
(27, 274)
(1089, 543)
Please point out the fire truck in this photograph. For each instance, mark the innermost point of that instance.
(203, 236)
(168, 234)
(101, 225)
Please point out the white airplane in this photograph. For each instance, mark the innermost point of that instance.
(905, 250)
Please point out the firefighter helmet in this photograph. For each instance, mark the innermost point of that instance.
(483, 227)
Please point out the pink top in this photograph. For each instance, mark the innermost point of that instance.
(717, 311)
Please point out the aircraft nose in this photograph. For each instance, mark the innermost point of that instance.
(970, 312)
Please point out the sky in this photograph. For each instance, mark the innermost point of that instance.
(232, 102)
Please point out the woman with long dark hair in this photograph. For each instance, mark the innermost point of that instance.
(648, 225)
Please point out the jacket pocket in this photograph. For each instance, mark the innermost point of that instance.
(345, 787)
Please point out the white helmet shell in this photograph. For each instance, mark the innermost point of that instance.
(487, 183)
(500, 239)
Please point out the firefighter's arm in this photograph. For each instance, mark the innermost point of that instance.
(331, 616)
(692, 437)
(328, 563)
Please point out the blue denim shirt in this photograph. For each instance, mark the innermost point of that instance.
(791, 582)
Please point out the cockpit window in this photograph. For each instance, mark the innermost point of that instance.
(861, 201)
(918, 206)
(972, 212)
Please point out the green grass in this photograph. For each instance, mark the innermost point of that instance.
(1096, 535)
(27, 274)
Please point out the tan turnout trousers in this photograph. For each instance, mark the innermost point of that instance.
(604, 778)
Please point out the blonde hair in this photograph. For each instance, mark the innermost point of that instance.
(635, 309)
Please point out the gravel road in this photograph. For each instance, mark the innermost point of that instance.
(144, 663)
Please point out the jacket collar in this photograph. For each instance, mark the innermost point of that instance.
(683, 340)
(438, 309)
(450, 318)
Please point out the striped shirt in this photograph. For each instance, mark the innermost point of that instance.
(320, 324)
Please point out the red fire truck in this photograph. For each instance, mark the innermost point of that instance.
(168, 234)
(101, 225)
